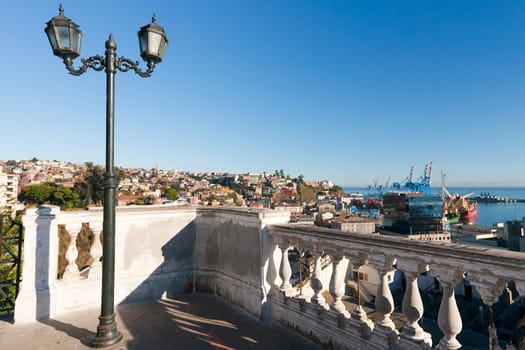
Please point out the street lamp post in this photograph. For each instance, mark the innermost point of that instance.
(65, 38)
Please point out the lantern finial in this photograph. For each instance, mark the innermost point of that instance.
(154, 19)
(60, 10)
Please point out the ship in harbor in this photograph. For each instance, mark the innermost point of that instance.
(410, 208)
(458, 207)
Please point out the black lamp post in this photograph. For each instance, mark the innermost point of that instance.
(65, 37)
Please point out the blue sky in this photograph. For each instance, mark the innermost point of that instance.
(340, 90)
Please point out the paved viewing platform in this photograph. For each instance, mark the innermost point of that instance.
(199, 321)
(225, 278)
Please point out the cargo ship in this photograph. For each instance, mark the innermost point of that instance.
(458, 207)
(469, 213)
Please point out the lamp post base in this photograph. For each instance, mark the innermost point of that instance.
(107, 333)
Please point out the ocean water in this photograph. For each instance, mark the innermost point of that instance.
(488, 213)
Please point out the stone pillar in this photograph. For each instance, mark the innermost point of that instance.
(316, 281)
(449, 318)
(71, 270)
(413, 310)
(35, 301)
(337, 283)
(285, 270)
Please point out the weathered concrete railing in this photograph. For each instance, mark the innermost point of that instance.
(488, 270)
(242, 255)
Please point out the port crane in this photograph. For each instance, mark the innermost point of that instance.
(421, 185)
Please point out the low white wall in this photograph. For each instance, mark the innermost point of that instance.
(153, 255)
(159, 250)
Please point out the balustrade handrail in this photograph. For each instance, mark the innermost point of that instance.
(399, 246)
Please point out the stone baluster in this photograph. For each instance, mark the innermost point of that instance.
(413, 308)
(449, 318)
(384, 302)
(337, 283)
(316, 280)
(72, 251)
(96, 251)
(285, 270)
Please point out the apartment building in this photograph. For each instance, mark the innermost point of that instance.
(8, 191)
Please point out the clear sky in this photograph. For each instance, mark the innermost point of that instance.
(340, 90)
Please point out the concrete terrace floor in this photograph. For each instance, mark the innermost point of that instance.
(199, 321)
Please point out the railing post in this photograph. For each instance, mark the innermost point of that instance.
(36, 298)
(449, 318)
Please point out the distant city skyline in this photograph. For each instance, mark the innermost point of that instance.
(347, 91)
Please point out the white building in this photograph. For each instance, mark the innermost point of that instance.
(8, 191)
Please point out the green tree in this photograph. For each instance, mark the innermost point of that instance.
(65, 198)
(171, 194)
(38, 194)
(50, 193)
(93, 178)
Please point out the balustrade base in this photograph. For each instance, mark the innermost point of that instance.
(386, 324)
(289, 292)
(366, 325)
(416, 335)
(95, 272)
(71, 276)
(448, 344)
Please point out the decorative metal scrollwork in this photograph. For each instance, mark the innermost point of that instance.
(124, 64)
(97, 63)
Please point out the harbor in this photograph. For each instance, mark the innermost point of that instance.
(490, 212)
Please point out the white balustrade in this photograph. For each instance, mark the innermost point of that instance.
(487, 271)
